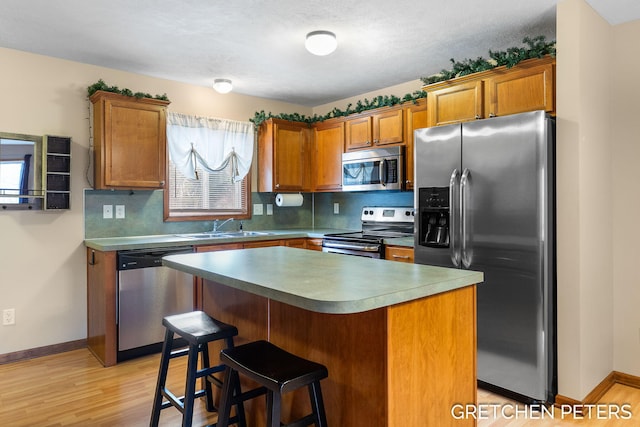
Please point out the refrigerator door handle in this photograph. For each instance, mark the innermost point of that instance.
(454, 217)
(466, 232)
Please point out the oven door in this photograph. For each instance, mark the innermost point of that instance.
(367, 250)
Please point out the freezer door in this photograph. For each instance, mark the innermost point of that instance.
(508, 231)
(437, 155)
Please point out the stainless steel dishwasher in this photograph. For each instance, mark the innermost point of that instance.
(148, 291)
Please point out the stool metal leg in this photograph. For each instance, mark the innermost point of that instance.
(162, 378)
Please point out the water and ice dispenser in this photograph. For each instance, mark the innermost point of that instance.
(433, 216)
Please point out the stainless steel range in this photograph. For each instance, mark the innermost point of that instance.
(378, 223)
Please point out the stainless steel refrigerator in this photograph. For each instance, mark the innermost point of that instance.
(484, 201)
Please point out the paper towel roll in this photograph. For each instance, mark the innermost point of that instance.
(284, 200)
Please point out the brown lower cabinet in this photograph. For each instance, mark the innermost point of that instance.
(399, 253)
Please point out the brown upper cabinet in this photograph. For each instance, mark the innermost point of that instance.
(528, 86)
(129, 137)
(415, 118)
(328, 145)
(283, 156)
(367, 130)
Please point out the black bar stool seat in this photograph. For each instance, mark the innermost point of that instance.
(278, 372)
(198, 330)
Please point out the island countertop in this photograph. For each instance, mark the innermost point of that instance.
(322, 282)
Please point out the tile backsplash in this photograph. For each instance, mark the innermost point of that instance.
(144, 212)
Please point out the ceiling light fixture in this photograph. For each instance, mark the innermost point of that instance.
(222, 85)
(321, 43)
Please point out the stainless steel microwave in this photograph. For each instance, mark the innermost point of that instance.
(377, 169)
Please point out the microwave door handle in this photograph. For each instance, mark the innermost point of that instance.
(382, 171)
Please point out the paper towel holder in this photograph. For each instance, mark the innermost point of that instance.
(289, 200)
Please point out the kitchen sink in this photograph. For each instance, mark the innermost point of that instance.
(223, 235)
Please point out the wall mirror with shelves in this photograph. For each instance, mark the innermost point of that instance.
(21, 183)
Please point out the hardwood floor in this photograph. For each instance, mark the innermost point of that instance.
(73, 389)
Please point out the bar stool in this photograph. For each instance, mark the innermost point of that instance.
(278, 372)
(198, 330)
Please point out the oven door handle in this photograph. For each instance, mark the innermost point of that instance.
(364, 248)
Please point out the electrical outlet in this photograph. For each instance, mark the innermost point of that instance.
(258, 209)
(9, 316)
(336, 208)
(107, 211)
(119, 211)
(269, 209)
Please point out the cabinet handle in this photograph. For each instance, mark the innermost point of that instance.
(277, 185)
(368, 142)
(92, 260)
(400, 256)
(492, 115)
(161, 183)
(375, 141)
(408, 181)
(477, 117)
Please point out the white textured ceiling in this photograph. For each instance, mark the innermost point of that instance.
(260, 44)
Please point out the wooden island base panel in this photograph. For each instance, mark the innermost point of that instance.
(398, 339)
(404, 365)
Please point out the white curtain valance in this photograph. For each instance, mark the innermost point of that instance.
(212, 143)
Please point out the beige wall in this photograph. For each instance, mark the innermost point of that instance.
(598, 292)
(625, 137)
(42, 264)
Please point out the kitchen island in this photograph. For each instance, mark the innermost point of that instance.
(399, 339)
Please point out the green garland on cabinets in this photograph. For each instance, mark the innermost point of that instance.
(377, 102)
(101, 85)
(536, 47)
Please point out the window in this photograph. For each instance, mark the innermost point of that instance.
(212, 194)
(10, 179)
(209, 163)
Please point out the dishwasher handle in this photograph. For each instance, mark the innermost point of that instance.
(146, 258)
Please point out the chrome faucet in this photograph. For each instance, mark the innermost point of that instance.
(216, 227)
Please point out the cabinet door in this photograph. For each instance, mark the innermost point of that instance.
(520, 90)
(262, 244)
(453, 104)
(101, 305)
(327, 156)
(291, 154)
(415, 118)
(358, 133)
(387, 127)
(314, 244)
(134, 145)
(300, 243)
(399, 253)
